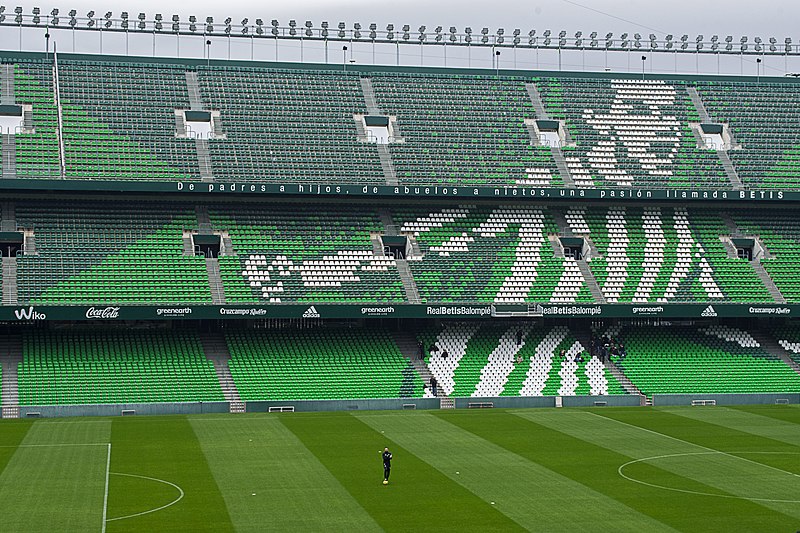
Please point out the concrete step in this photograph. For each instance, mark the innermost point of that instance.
(768, 282)
(369, 97)
(561, 163)
(387, 164)
(193, 88)
(730, 170)
(216, 349)
(770, 345)
(698, 104)
(409, 347)
(215, 281)
(591, 282)
(409, 284)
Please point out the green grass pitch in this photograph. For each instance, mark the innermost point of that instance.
(602, 469)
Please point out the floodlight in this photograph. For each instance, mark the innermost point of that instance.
(652, 36)
(292, 23)
(516, 32)
(578, 34)
(308, 24)
(90, 14)
(562, 34)
(547, 33)
(245, 21)
(53, 13)
(593, 35)
(342, 25)
(669, 37)
(715, 38)
(609, 35)
(637, 36)
(758, 40)
(309, 32)
(624, 36)
(684, 37)
(699, 38)
(501, 31)
(142, 16)
(485, 31)
(274, 23)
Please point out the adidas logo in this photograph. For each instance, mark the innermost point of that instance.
(709, 311)
(311, 312)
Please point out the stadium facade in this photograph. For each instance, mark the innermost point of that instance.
(245, 236)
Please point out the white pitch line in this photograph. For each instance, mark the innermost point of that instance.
(693, 444)
(181, 494)
(53, 445)
(105, 496)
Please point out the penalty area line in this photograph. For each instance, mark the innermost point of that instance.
(695, 445)
(105, 493)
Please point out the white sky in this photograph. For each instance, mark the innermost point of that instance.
(778, 18)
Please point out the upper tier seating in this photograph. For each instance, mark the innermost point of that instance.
(711, 359)
(288, 125)
(763, 119)
(480, 254)
(463, 130)
(122, 122)
(305, 254)
(91, 253)
(115, 366)
(320, 364)
(630, 133)
(37, 152)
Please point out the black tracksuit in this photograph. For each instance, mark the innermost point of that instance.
(387, 465)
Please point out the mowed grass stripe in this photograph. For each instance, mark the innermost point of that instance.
(534, 496)
(592, 449)
(786, 413)
(164, 448)
(273, 482)
(56, 479)
(779, 455)
(648, 433)
(11, 434)
(418, 498)
(752, 423)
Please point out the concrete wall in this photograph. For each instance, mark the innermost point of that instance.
(726, 399)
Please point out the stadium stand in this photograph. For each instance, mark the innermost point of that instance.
(480, 254)
(320, 363)
(708, 359)
(84, 366)
(486, 361)
(305, 254)
(89, 253)
(779, 230)
(762, 119)
(463, 129)
(630, 133)
(37, 147)
(288, 125)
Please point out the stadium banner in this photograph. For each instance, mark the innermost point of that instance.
(333, 189)
(116, 313)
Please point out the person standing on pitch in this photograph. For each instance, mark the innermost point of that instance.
(387, 465)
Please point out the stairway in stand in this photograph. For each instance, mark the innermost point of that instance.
(216, 350)
(10, 358)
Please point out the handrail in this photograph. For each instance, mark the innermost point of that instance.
(60, 132)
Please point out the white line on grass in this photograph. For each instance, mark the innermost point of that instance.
(179, 498)
(687, 491)
(105, 495)
(693, 444)
(53, 445)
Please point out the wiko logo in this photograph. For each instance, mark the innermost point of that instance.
(29, 314)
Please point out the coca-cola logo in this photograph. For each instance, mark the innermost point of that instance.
(106, 313)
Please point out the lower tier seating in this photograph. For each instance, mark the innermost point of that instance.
(712, 359)
(115, 366)
(518, 360)
(320, 364)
